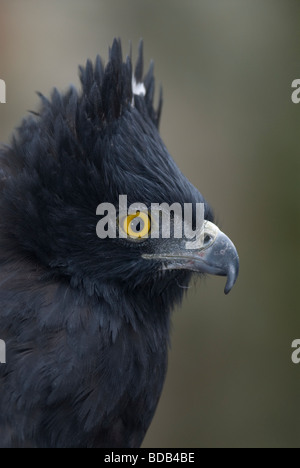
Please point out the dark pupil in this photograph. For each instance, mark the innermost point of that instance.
(137, 225)
(206, 239)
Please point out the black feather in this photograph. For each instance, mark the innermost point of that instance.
(139, 64)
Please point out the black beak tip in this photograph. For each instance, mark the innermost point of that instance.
(232, 274)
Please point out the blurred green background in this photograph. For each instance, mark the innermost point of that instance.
(228, 120)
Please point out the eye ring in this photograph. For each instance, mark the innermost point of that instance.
(136, 226)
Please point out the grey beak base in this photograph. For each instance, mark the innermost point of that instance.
(221, 259)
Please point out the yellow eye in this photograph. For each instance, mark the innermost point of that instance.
(137, 226)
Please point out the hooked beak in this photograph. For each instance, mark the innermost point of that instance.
(217, 255)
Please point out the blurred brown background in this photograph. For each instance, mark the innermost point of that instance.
(226, 67)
